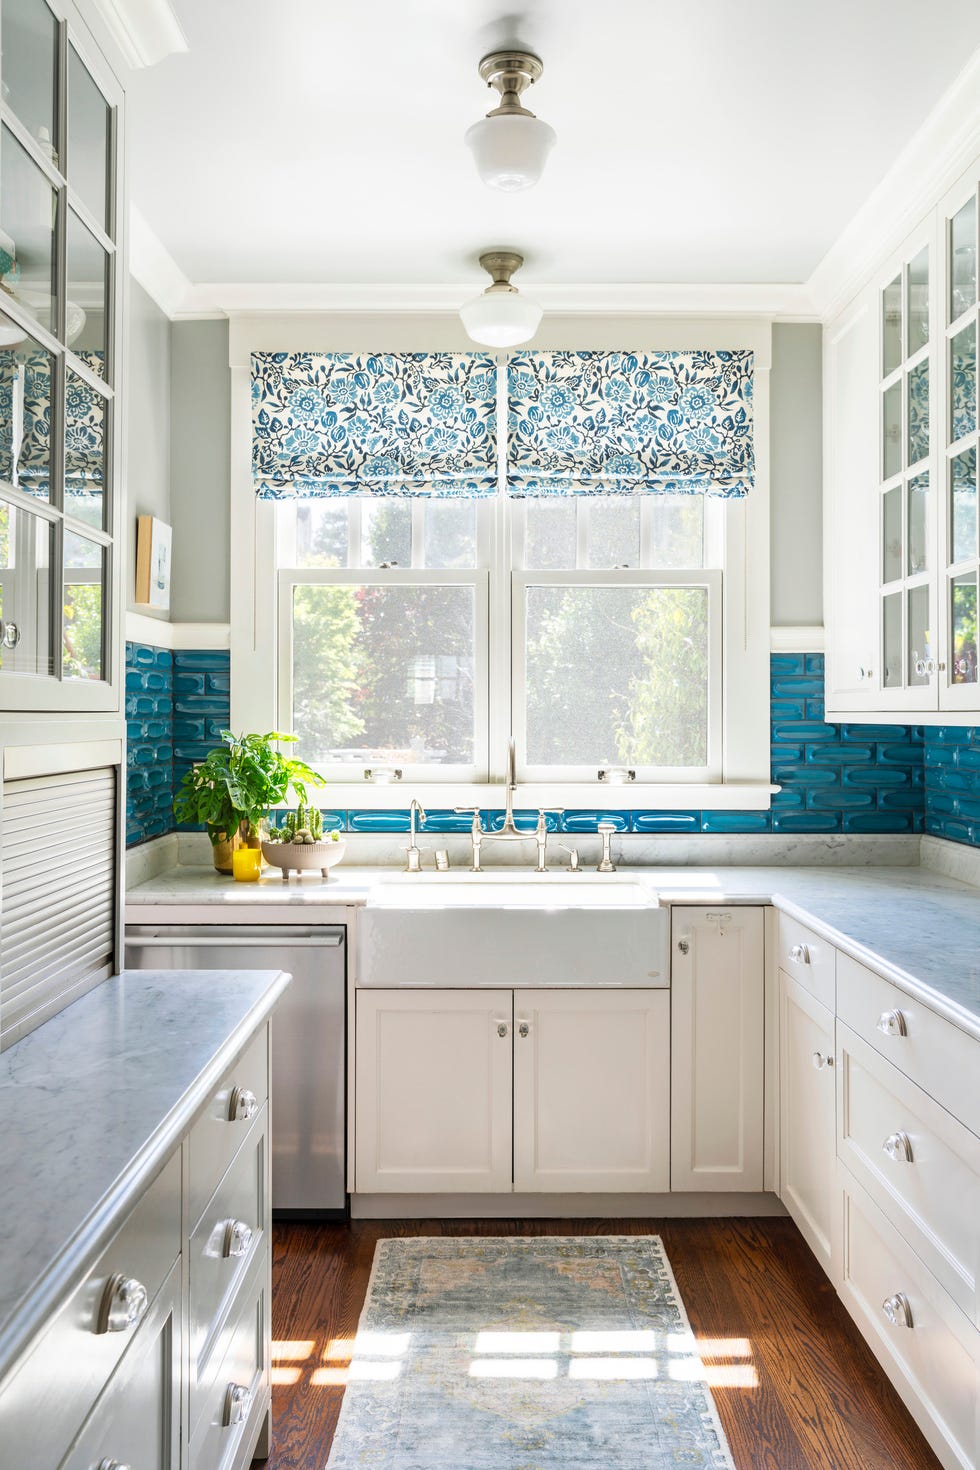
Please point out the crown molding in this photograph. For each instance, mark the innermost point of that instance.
(151, 263)
(145, 31)
(930, 163)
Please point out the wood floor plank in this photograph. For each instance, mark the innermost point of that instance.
(809, 1394)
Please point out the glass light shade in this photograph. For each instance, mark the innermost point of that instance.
(501, 318)
(510, 151)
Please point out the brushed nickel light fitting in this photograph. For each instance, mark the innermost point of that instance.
(510, 145)
(501, 316)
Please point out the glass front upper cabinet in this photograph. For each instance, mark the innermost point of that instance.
(59, 125)
(961, 443)
(905, 438)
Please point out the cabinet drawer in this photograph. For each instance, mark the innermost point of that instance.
(228, 1237)
(137, 1419)
(807, 959)
(919, 1164)
(933, 1361)
(50, 1394)
(226, 1431)
(943, 1060)
(218, 1132)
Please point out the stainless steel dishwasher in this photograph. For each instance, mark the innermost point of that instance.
(308, 1082)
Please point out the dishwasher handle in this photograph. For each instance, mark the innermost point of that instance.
(207, 941)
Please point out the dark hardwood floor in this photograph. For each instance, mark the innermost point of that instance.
(817, 1399)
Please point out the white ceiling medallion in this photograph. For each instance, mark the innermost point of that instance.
(510, 145)
(501, 317)
(145, 31)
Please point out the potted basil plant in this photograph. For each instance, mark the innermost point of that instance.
(233, 788)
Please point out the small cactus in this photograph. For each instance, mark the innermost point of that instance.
(304, 825)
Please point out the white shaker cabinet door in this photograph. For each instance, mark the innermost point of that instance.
(807, 1108)
(717, 1048)
(591, 1090)
(433, 1091)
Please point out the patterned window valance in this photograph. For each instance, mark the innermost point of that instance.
(622, 423)
(413, 423)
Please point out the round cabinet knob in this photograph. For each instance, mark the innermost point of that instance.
(502, 1028)
(897, 1310)
(820, 1061)
(242, 1105)
(238, 1402)
(799, 954)
(892, 1023)
(524, 1029)
(898, 1147)
(684, 945)
(123, 1303)
(11, 634)
(113, 1465)
(238, 1239)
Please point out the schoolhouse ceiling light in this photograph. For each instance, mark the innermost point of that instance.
(510, 145)
(501, 316)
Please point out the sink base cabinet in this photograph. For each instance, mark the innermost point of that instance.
(461, 1091)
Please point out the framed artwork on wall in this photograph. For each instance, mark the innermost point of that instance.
(153, 544)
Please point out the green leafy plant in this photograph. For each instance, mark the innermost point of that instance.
(234, 787)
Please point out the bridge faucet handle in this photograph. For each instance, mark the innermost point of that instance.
(470, 811)
(606, 864)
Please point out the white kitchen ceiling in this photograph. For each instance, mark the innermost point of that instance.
(309, 142)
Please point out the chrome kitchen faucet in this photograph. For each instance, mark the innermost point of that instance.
(509, 831)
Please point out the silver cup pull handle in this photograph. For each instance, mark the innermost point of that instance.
(892, 1023)
(242, 1105)
(898, 1147)
(238, 1239)
(800, 954)
(238, 1402)
(898, 1310)
(123, 1303)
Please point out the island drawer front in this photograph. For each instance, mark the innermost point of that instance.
(921, 1166)
(47, 1398)
(216, 1137)
(940, 1058)
(216, 1443)
(218, 1260)
(137, 1419)
(808, 959)
(933, 1362)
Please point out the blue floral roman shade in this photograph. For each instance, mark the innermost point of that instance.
(622, 423)
(413, 423)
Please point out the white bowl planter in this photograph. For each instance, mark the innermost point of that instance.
(303, 856)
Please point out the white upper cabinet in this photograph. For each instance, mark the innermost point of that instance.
(900, 506)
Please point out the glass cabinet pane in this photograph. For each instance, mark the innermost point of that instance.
(449, 533)
(963, 622)
(26, 551)
(676, 530)
(918, 534)
(918, 302)
(88, 291)
(892, 659)
(28, 212)
(88, 141)
(84, 583)
(891, 431)
(963, 517)
(891, 535)
(917, 417)
(85, 450)
(26, 377)
(386, 532)
(29, 39)
(963, 382)
(920, 638)
(551, 534)
(891, 326)
(963, 259)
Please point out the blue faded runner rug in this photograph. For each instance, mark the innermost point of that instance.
(539, 1353)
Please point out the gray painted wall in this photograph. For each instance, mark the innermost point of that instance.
(201, 475)
(148, 438)
(795, 438)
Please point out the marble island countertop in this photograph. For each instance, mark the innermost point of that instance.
(913, 924)
(93, 1103)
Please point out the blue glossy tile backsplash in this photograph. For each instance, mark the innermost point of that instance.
(834, 778)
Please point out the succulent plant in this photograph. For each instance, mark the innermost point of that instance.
(303, 826)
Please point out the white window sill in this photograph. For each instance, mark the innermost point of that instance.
(748, 796)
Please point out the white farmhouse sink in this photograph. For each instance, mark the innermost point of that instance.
(512, 929)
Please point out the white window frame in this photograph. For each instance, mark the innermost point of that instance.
(711, 580)
(744, 532)
(350, 772)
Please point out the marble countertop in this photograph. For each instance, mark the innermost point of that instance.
(93, 1103)
(914, 925)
